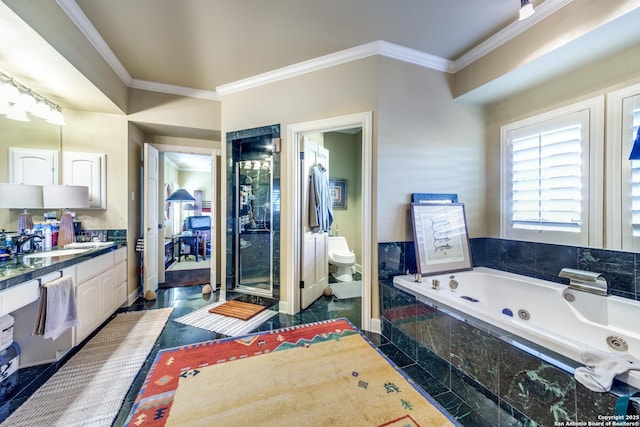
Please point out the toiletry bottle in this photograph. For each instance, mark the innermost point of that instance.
(8, 245)
(47, 239)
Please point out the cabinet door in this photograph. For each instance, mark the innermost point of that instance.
(33, 167)
(121, 284)
(107, 294)
(87, 169)
(88, 296)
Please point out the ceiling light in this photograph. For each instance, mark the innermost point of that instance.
(16, 112)
(526, 9)
(16, 100)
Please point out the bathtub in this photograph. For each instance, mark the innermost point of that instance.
(547, 314)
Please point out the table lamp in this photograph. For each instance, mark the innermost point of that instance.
(21, 196)
(66, 197)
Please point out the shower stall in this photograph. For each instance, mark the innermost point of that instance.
(253, 211)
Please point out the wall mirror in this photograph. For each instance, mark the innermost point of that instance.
(33, 135)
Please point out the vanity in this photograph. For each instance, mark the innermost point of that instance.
(100, 281)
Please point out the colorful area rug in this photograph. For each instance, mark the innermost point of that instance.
(230, 326)
(320, 374)
(89, 389)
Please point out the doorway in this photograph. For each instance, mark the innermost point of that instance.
(168, 219)
(292, 269)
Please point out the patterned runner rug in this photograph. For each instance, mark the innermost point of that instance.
(230, 326)
(89, 389)
(320, 374)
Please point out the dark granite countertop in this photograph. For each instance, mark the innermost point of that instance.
(21, 269)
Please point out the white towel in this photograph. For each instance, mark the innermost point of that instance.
(61, 312)
(602, 367)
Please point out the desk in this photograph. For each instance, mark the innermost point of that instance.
(189, 245)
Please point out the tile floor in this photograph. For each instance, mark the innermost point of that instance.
(187, 299)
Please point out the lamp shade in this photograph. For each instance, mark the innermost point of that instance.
(20, 196)
(180, 195)
(65, 196)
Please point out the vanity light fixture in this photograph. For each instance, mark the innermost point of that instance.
(526, 10)
(16, 100)
(635, 150)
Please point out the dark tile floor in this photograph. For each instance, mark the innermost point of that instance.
(187, 299)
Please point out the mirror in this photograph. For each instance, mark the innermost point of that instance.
(35, 134)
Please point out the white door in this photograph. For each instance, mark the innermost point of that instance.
(314, 262)
(151, 224)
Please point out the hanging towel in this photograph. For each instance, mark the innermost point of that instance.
(57, 311)
(320, 203)
(601, 367)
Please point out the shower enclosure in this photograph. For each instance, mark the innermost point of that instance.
(253, 172)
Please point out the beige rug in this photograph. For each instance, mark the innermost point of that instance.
(319, 374)
(90, 388)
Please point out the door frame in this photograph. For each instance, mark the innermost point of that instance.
(292, 239)
(214, 153)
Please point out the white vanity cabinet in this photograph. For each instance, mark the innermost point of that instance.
(35, 350)
(94, 293)
(87, 169)
(121, 277)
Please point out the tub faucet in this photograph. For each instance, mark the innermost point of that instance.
(586, 281)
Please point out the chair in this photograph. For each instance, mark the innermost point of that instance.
(192, 243)
(200, 225)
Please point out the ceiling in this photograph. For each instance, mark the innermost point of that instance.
(203, 45)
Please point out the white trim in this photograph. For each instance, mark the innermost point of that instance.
(291, 270)
(595, 213)
(546, 9)
(619, 235)
(173, 89)
(379, 47)
(77, 16)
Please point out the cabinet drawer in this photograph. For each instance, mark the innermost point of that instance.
(19, 296)
(93, 267)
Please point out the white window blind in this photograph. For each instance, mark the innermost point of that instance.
(551, 187)
(546, 175)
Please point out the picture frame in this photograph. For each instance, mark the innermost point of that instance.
(440, 238)
(338, 191)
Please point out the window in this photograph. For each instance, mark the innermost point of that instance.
(550, 187)
(623, 224)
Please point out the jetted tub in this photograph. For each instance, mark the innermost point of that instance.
(549, 314)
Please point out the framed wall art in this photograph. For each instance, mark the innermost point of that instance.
(338, 190)
(440, 237)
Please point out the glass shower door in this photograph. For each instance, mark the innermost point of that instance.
(254, 240)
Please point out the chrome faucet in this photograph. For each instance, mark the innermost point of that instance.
(586, 281)
(20, 242)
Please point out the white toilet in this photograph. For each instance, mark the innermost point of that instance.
(342, 258)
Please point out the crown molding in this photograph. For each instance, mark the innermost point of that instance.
(380, 47)
(547, 8)
(173, 90)
(77, 16)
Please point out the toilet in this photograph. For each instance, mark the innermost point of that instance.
(341, 258)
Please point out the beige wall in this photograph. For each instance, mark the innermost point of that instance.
(427, 143)
(344, 89)
(134, 220)
(345, 158)
(611, 73)
(88, 132)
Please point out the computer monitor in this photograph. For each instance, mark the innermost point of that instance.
(198, 222)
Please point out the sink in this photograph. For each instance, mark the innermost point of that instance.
(92, 245)
(57, 252)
